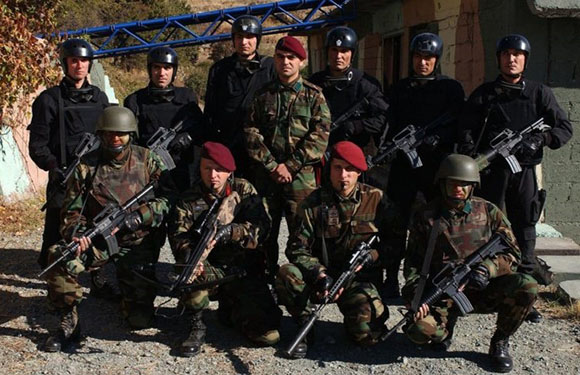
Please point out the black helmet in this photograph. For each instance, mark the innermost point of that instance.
(427, 43)
(247, 24)
(342, 36)
(458, 167)
(162, 55)
(75, 48)
(514, 41)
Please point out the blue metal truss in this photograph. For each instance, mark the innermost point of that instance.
(200, 28)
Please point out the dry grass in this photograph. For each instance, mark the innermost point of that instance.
(553, 305)
(23, 216)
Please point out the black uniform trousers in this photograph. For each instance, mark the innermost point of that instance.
(517, 196)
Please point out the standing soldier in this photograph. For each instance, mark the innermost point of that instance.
(331, 222)
(245, 303)
(60, 117)
(462, 224)
(161, 104)
(514, 102)
(419, 100)
(344, 87)
(231, 86)
(112, 174)
(286, 135)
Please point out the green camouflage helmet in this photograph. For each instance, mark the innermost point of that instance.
(458, 167)
(117, 119)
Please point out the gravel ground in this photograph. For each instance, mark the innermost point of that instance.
(550, 347)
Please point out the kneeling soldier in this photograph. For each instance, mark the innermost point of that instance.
(463, 224)
(246, 303)
(113, 174)
(332, 221)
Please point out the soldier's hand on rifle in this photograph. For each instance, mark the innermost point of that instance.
(422, 312)
(478, 278)
(224, 234)
(532, 143)
(180, 143)
(281, 174)
(132, 221)
(56, 176)
(322, 286)
(84, 244)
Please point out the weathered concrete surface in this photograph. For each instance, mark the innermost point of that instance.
(570, 290)
(565, 267)
(556, 246)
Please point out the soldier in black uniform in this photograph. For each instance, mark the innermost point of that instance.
(418, 100)
(514, 102)
(344, 86)
(60, 117)
(161, 104)
(231, 86)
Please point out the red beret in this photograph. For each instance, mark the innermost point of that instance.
(293, 45)
(220, 154)
(350, 153)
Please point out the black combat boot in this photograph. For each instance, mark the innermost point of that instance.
(444, 345)
(192, 345)
(69, 332)
(302, 348)
(534, 316)
(499, 354)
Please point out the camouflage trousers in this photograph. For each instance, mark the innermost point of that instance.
(511, 296)
(137, 294)
(360, 304)
(282, 200)
(245, 303)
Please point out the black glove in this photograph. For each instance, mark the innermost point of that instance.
(224, 234)
(322, 285)
(56, 176)
(432, 141)
(180, 143)
(132, 221)
(368, 260)
(478, 278)
(531, 144)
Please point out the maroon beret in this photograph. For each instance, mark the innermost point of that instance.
(293, 45)
(220, 154)
(350, 153)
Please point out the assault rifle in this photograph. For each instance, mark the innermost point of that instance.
(89, 143)
(160, 141)
(505, 144)
(355, 110)
(220, 212)
(111, 217)
(360, 258)
(452, 278)
(407, 140)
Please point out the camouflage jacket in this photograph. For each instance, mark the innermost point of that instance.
(344, 222)
(251, 216)
(287, 124)
(461, 233)
(99, 181)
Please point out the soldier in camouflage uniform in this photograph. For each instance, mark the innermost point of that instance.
(286, 134)
(332, 221)
(245, 303)
(114, 173)
(467, 223)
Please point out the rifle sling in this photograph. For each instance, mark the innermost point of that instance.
(426, 264)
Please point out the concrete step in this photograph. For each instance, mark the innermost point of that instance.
(570, 290)
(565, 267)
(556, 246)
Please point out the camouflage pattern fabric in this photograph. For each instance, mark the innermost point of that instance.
(245, 303)
(98, 181)
(290, 125)
(344, 223)
(509, 293)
